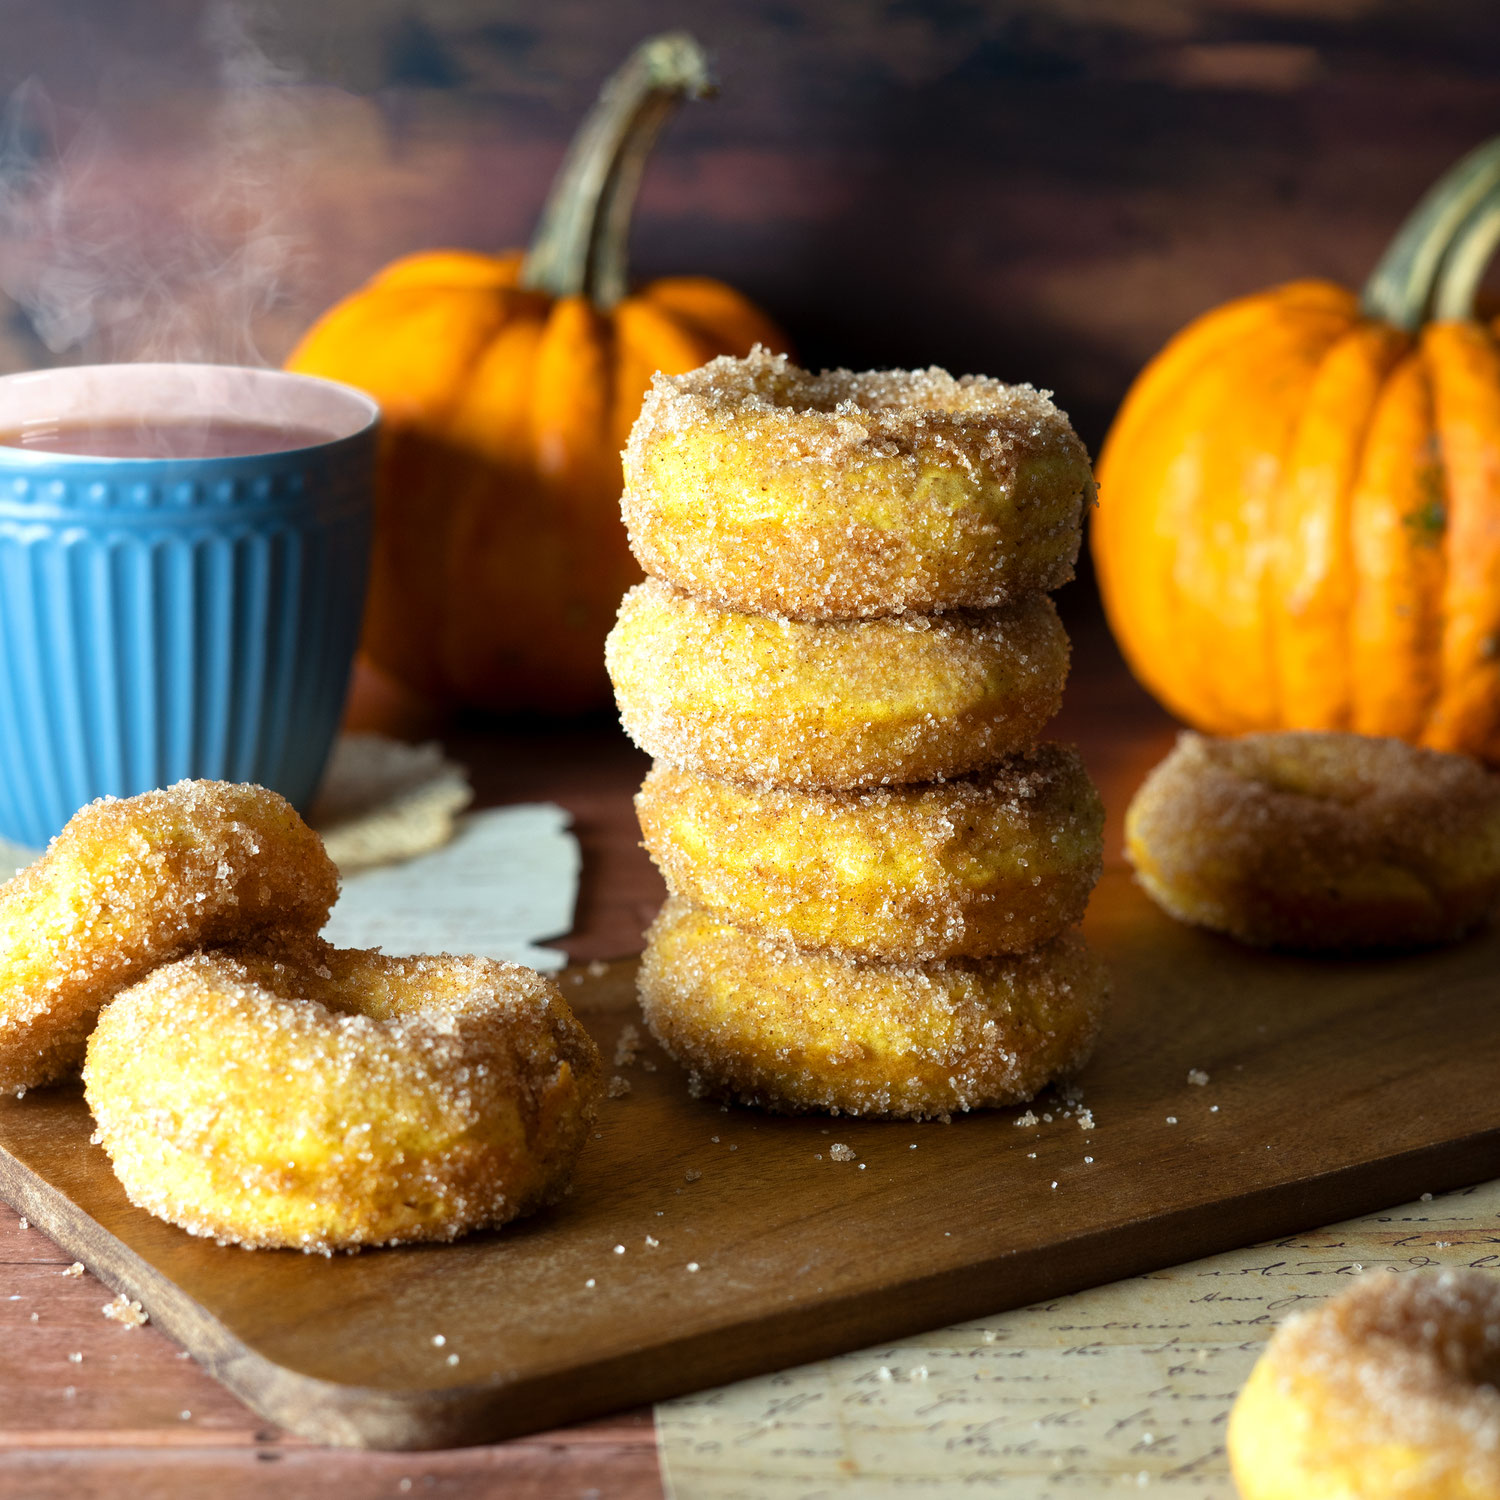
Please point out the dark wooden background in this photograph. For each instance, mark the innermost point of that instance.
(1040, 190)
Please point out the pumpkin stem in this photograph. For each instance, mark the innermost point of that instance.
(1400, 286)
(580, 244)
(1468, 259)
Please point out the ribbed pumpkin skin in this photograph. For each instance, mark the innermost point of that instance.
(1299, 523)
(499, 554)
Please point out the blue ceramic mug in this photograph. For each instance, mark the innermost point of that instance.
(181, 616)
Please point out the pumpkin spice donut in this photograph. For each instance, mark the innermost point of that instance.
(762, 487)
(1388, 1390)
(131, 883)
(833, 706)
(991, 863)
(1319, 840)
(324, 1099)
(797, 1030)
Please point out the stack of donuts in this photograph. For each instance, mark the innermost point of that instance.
(841, 661)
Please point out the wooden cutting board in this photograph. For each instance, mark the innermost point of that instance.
(1334, 1087)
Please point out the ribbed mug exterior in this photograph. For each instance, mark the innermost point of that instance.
(173, 618)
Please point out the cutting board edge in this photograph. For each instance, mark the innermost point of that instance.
(341, 1415)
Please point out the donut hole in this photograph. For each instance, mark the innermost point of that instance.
(376, 987)
(771, 383)
(1433, 1332)
(1298, 766)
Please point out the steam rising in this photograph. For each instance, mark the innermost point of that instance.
(184, 261)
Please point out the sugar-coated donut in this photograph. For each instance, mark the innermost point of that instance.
(131, 883)
(1390, 1391)
(833, 706)
(1319, 840)
(760, 486)
(996, 862)
(799, 1030)
(325, 1099)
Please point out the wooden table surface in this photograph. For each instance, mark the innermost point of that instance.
(88, 1408)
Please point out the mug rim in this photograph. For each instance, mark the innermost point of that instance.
(367, 410)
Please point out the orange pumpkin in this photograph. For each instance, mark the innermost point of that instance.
(509, 384)
(1299, 501)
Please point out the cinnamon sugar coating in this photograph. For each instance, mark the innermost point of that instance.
(760, 486)
(789, 1029)
(131, 883)
(838, 705)
(996, 862)
(1388, 1390)
(1319, 840)
(320, 1099)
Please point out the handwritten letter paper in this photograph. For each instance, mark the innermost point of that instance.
(1126, 1387)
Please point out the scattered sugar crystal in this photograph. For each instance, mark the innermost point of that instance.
(652, 1242)
(1028, 1119)
(589, 1282)
(619, 1249)
(439, 1340)
(25, 1224)
(840, 1152)
(618, 1087)
(692, 1265)
(627, 1045)
(1085, 1119)
(76, 1269)
(597, 969)
(1171, 1119)
(1426, 1197)
(76, 1359)
(1197, 1076)
(125, 1312)
(691, 1175)
(452, 1359)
